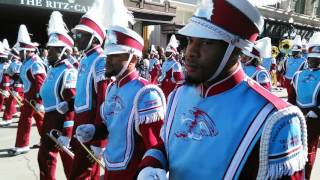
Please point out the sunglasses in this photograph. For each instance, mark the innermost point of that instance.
(77, 36)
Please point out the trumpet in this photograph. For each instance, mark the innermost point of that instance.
(54, 135)
(90, 156)
(285, 46)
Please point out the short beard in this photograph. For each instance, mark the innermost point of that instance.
(191, 81)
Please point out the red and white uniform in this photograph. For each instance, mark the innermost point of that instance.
(62, 77)
(154, 70)
(17, 89)
(32, 75)
(132, 123)
(5, 83)
(171, 76)
(91, 87)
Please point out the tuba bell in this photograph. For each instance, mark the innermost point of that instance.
(285, 46)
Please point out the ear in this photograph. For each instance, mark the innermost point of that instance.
(134, 60)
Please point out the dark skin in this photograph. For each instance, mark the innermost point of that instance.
(26, 54)
(115, 62)
(82, 38)
(168, 55)
(203, 57)
(53, 54)
(296, 54)
(314, 63)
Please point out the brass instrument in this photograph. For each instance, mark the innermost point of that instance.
(17, 98)
(91, 156)
(54, 135)
(285, 46)
(275, 51)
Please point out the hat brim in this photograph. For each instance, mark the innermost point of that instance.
(118, 49)
(199, 28)
(87, 29)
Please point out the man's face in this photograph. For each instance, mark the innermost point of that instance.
(114, 63)
(81, 39)
(168, 55)
(296, 54)
(25, 54)
(203, 57)
(53, 54)
(313, 63)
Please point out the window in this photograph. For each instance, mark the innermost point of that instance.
(298, 6)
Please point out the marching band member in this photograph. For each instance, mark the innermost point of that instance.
(58, 91)
(32, 74)
(230, 127)
(171, 72)
(251, 62)
(89, 35)
(133, 110)
(305, 94)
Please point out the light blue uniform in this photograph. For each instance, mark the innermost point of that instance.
(59, 78)
(36, 66)
(307, 86)
(292, 65)
(210, 133)
(91, 70)
(123, 113)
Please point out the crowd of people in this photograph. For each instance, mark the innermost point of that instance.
(206, 112)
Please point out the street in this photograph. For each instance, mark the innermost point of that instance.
(26, 166)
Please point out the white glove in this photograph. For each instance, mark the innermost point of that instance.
(6, 93)
(39, 107)
(64, 141)
(97, 151)
(62, 107)
(16, 94)
(85, 132)
(150, 173)
(312, 114)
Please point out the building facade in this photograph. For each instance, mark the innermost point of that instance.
(35, 14)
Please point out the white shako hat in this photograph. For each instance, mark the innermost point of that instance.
(173, 45)
(6, 45)
(297, 44)
(120, 38)
(94, 21)
(261, 49)
(314, 45)
(58, 32)
(24, 40)
(237, 22)
(264, 47)
(153, 50)
(3, 52)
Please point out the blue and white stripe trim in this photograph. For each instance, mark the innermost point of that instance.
(68, 124)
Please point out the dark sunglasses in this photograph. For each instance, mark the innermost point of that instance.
(77, 36)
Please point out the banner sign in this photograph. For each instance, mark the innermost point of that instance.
(80, 6)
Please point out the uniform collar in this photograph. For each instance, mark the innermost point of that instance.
(127, 78)
(97, 49)
(228, 83)
(60, 63)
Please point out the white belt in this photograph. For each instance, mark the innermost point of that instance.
(17, 85)
(6, 84)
